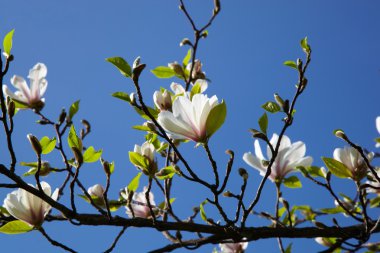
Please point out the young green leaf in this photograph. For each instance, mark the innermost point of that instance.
(187, 58)
(141, 128)
(122, 95)
(134, 184)
(304, 45)
(162, 204)
(121, 65)
(74, 108)
(139, 160)
(163, 72)
(292, 182)
(271, 107)
(74, 140)
(263, 123)
(47, 144)
(289, 248)
(15, 227)
(216, 118)
(291, 64)
(202, 210)
(337, 168)
(91, 155)
(196, 89)
(8, 42)
(166, 173)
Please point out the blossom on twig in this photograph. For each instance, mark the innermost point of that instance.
(238, 247)
(29, 97)
(27, 207)
(140, 206)
(290, 155)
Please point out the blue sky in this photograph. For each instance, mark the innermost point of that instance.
(243, 57)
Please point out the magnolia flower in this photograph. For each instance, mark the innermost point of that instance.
(27, 207)
(140, 206)
(350, 157)
(146, 150)
(375, 184)
(197, 70)
(189, 118)
(378, 129)
(177, 88)
(30, 97)
(239, 247)
(163, 100)
(180, 90)
(288, 158)
(96, 191)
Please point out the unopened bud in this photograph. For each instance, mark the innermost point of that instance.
(87, 125)
(216, 6)
(230, 152)
(36, 145)
(196, 209)
(243, 173)
(150, 125)
(177, 68)
(62, 117)
(137, 71)
(303, 85)
(106, 167)
(78, 155)
(279, 100)
(11, 108)
(136, 62)
(340, 134)
(132, 97)
(184, 42)
(227, 194)
(299, 64)
(265, 163)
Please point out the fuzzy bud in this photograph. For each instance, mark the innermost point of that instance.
(78, 156)
(36, 145)
(106, 167)
(62, 117)
(177, 68)
(227, 194)
(136, 62)
(184, 42)
(340, 134)
(243, 173)
(11, 108)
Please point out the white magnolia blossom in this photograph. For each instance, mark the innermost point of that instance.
(163, 100)
(96, 191)
(27, 207)
(30, 97)
(197, 70)
(238, 247)
(350, 157)
(375, 184)
(189, 117)
(288, 158)
(146, 150)
(378, 129)
(324, 241)
(139, 204)
(177, 88)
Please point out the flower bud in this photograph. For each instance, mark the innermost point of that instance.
(62, 117)
(243, 173)
(303, 85)
(227, 194)
(36, 145)
(150, 125)
(184, 42)
(132, 97)
(106, 167)
(340, 134)
(279, 100)
(78, 156)
(299, 64)
(177, 68)
(11, 108)
(136, 62)
(163, 101)
(216, 6)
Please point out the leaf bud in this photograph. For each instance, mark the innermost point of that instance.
(279, 100)
(243, 173)
(136, 62)
(78, 156)
(340, 134)
(106, 167)
(299, 64)
(184, 42)
(62, 116)
(216, 6)
(227, 194)
(36, 145)
(132, 97)
(86, 125)
(177, 68)
(303, 85)
(11, 108)
(150, 125)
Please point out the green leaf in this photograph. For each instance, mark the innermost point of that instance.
(15, 227)
(141, 128)
(139, 160)
(291, 64)
(216, 118)
(202, 210)
(91, 155)
(152, 111)
(74, 140)
(114, 205)
(163, 72)
(377, 140)
(121, 65)
(122, 95)
(8, 42)
(162, 204)
(292, 182)
(187, 58)
(333, 210)
(196, 89)
(32, 164)
(47, 144)
(112, 167)
(304, 45)
(289, 248)
(313, 171)
(337, 168)
(134, 184)
(375, 202)
(271, 107)
(74, 108)
(263, 123)
(166, 173)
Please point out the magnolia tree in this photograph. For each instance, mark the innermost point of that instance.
(184, 114)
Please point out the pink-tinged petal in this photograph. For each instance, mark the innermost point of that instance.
(37, 75)
(254, 162)
(43, 87)
(18, 96)
(20, 83)
(177, 88)
(175, 127)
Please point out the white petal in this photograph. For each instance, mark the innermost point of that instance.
(254, 162)
(378, 124)
(258, 151)
(177, 128)
(20, 84)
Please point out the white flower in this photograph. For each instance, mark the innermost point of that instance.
(197, 70)
(324, 241)
(96, 191)
(375, 184)
(140, 206)
(30, 97)
(239, 247)
(27, 207)
(146, 150)
(378, 129)
(288, 158)
(177, 88)
(189, 117)
(350, 157)
(163, 100)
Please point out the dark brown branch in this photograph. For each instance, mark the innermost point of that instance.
(55, 243)
(116, 240)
